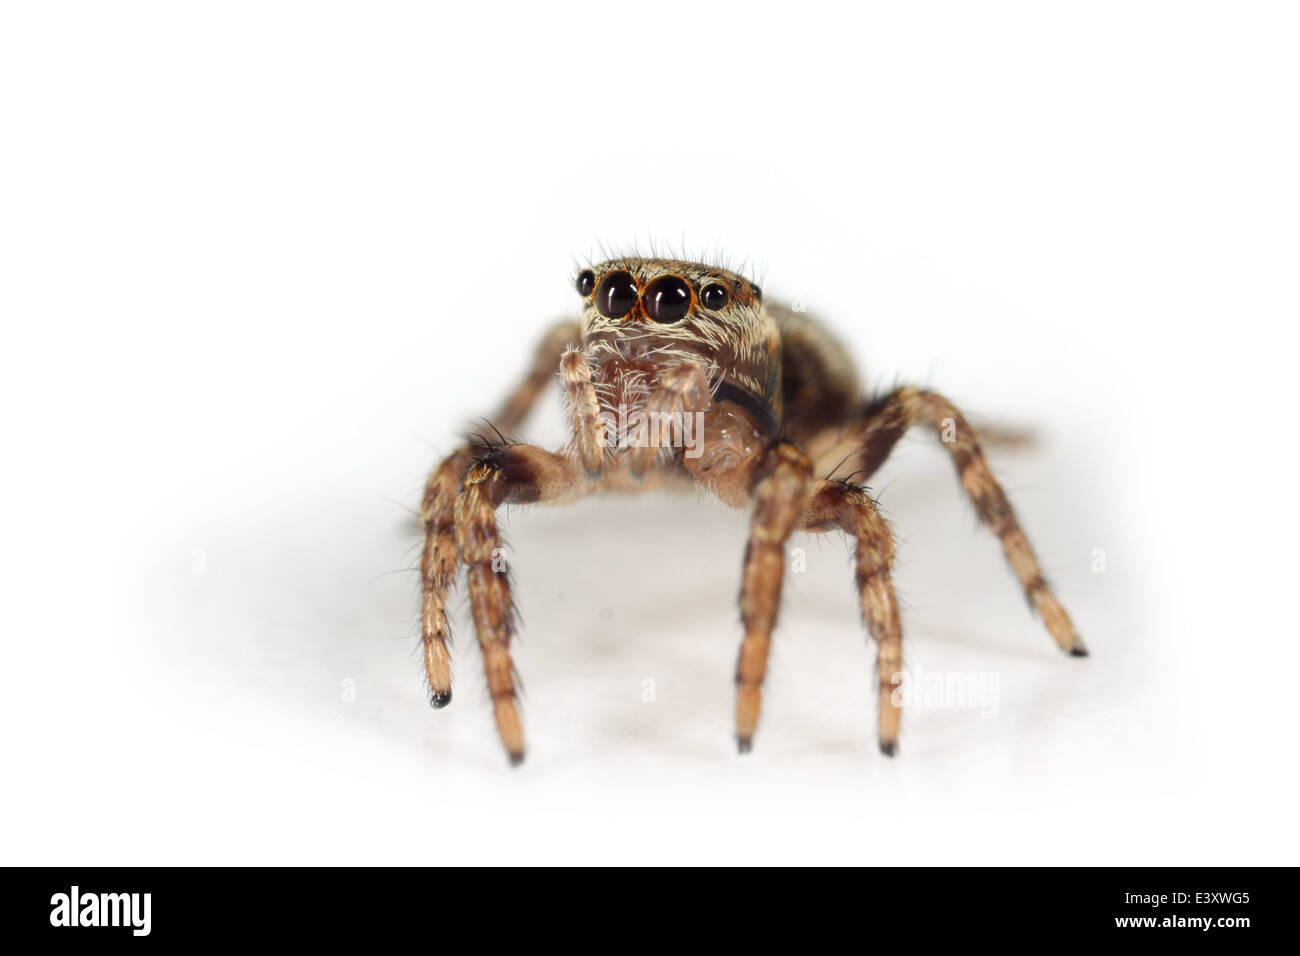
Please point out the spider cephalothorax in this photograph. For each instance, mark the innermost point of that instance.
(644, 317)
(678, 372)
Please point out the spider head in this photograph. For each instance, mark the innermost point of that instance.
(657, 312)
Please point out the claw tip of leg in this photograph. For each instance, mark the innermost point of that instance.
(1078, 650)
(440, 699)
(744, 744)
(516, 759)
(889, 747)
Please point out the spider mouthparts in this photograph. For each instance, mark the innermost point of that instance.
(440, 698)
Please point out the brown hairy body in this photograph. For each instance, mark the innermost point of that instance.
(678, 373)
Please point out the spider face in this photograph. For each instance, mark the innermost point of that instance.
(643, 315)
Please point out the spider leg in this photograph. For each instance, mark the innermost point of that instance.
(513, 474)
(682, 390)
(584, 409)
(439, 559)
(784, 475)
(541, 373)
(840, 506)
(886, 422)
(438, 570)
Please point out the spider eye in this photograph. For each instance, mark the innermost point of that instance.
(715, 296)
(758, 293)
(667, 299)
(586, 282)
(616, 295)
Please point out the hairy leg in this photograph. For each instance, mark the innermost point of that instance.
(513, 474)
(438, 570)
(540, 373)
(840, 506)
(782, 479)
(438, 561)
(889, 418)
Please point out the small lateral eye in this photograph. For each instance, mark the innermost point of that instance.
(758, 293)
(667, 299)
(586, 282)
(715, 296)
(616, 295)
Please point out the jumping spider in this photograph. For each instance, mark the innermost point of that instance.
(777, 402)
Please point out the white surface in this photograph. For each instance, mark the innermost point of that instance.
(261, 262)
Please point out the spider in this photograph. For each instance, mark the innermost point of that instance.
(679, 373)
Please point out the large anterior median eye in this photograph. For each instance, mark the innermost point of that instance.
(616, 295)
(668, 299)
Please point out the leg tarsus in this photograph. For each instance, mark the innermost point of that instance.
(841, 506)
(779, 501)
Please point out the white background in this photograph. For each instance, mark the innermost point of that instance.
(259, 263)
